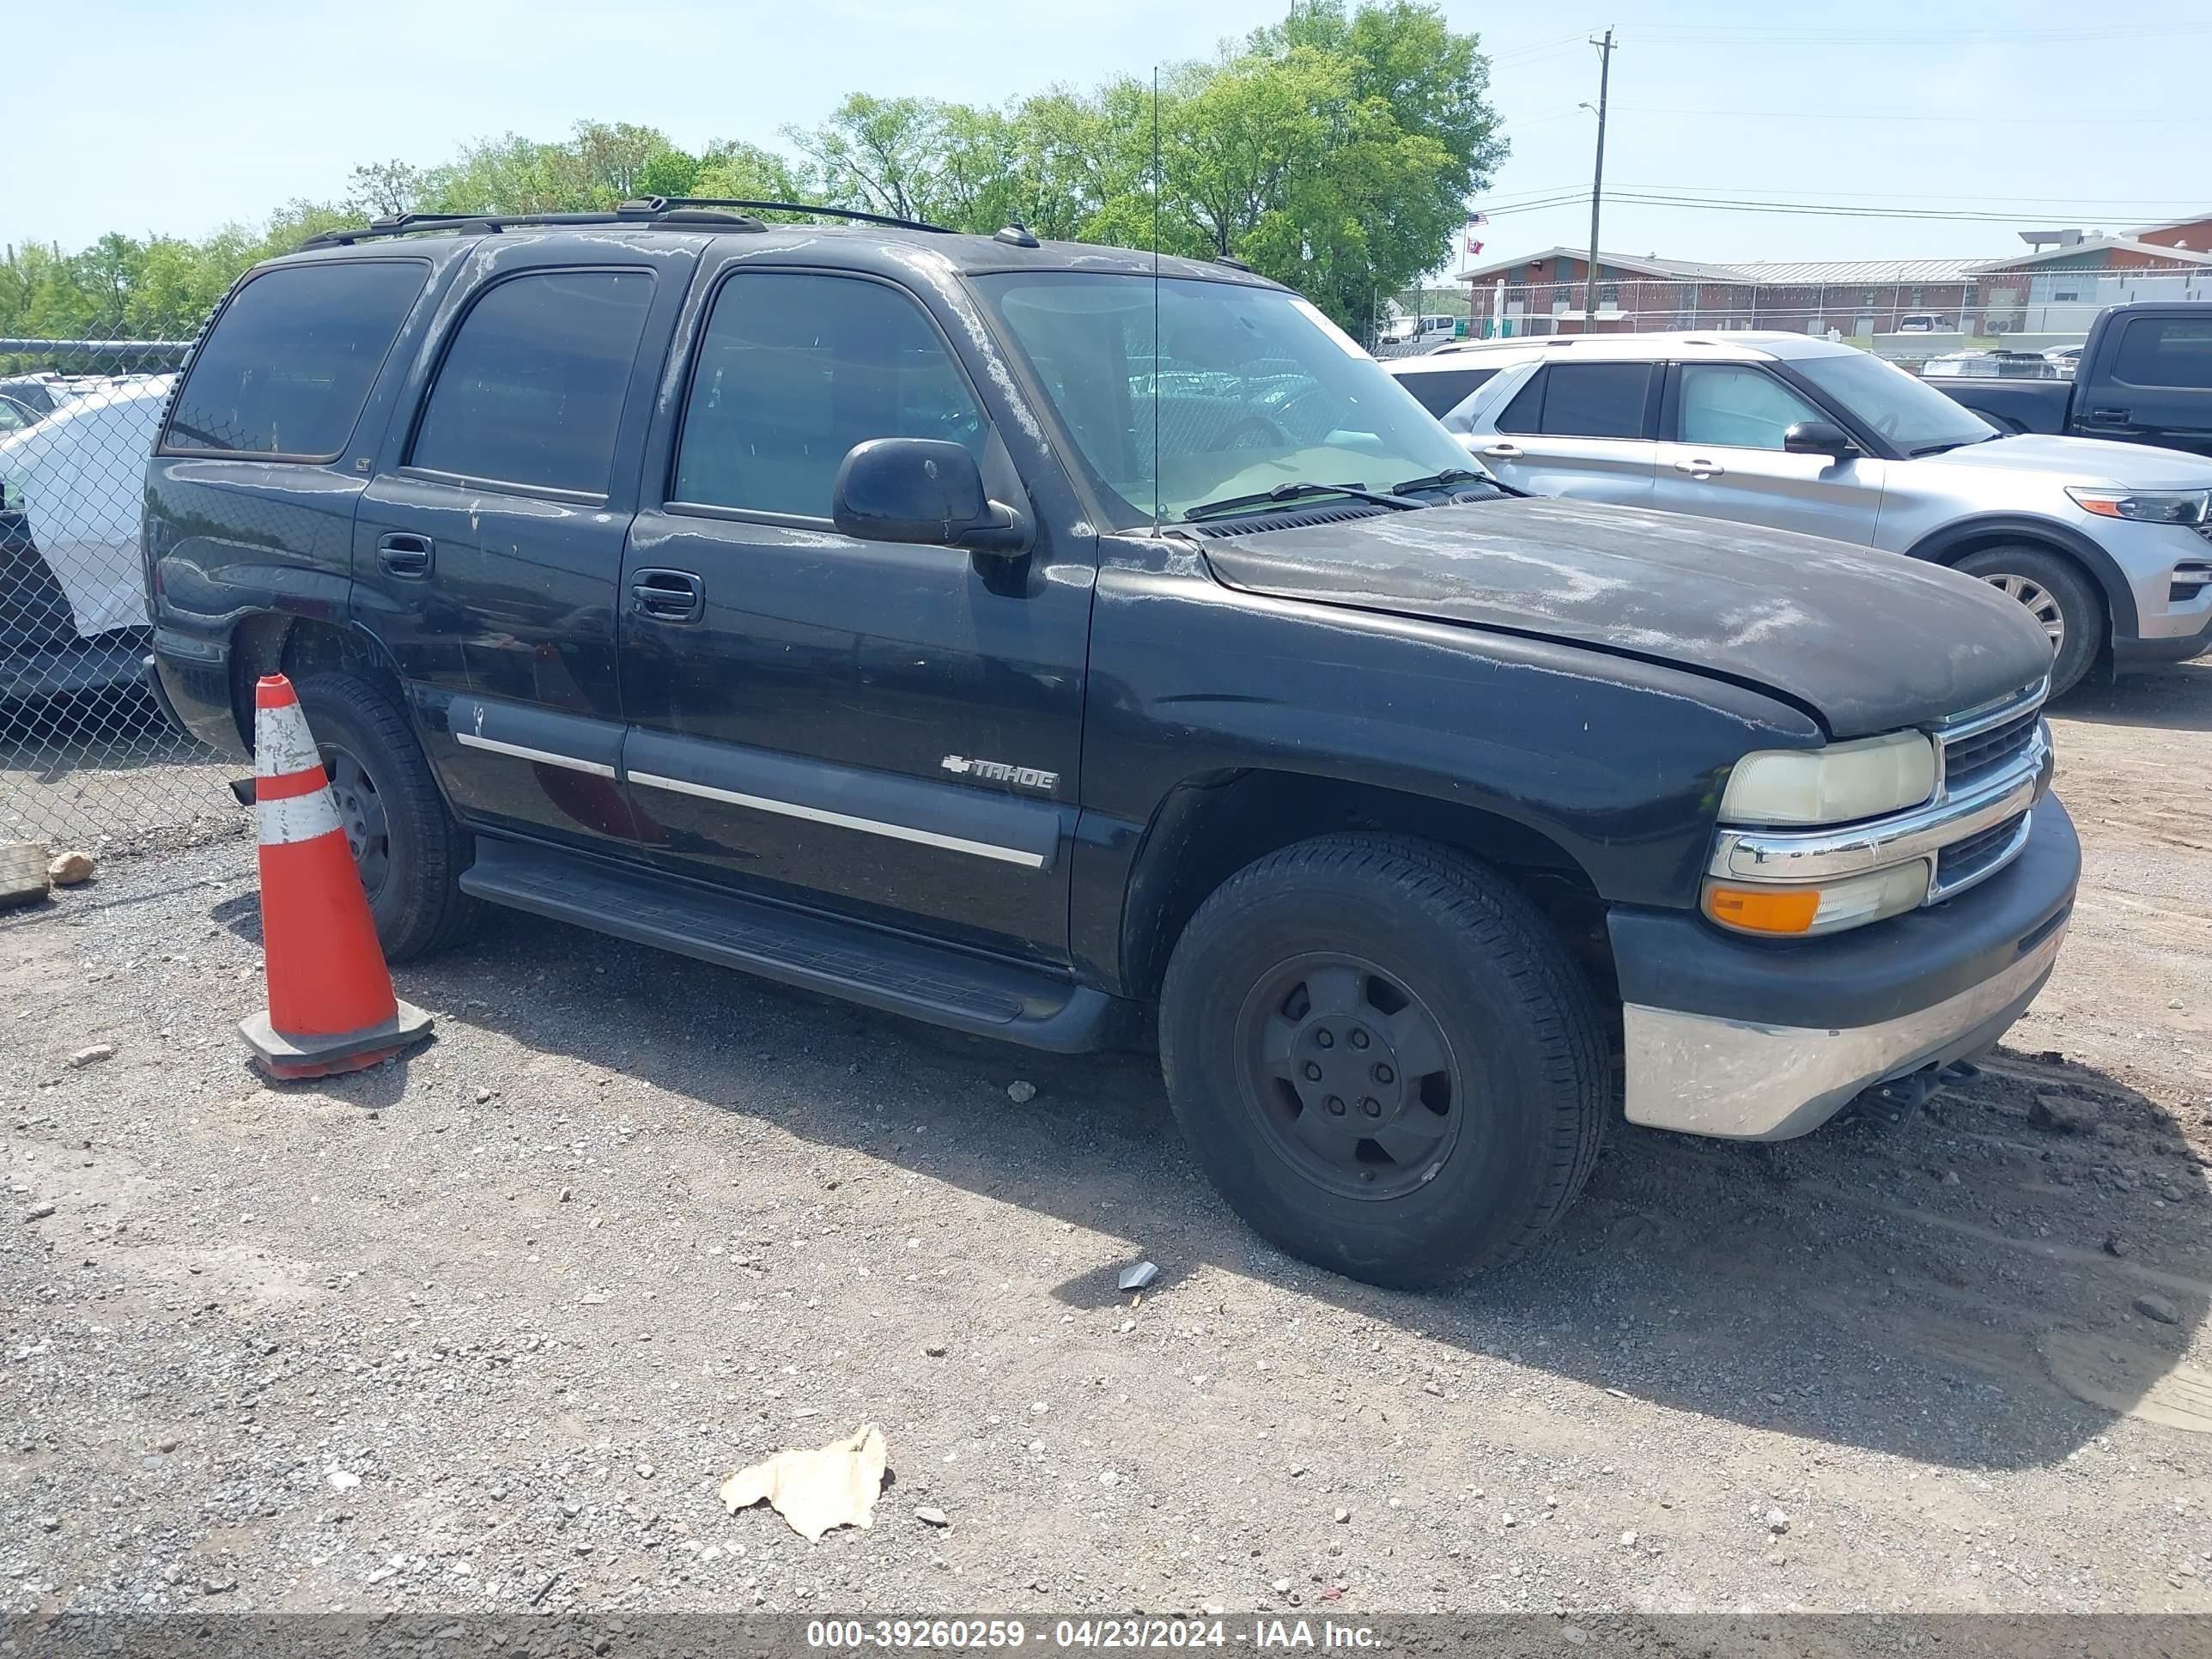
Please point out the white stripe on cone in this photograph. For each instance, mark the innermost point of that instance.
(281, 743)
(302, 817)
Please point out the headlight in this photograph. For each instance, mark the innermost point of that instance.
(1839, 784)
(1794, 912)
(2189, 507)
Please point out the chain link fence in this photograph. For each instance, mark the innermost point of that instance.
(89, 758)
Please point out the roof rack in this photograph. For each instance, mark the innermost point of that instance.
(659, 204)
(644, 212)
(638, 210)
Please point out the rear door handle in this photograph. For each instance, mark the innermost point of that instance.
(403, 555)
(1503, 451)
(2109, 416)
(669, 595)
(1699, 467)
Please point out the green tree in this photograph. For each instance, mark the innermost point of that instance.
(748, 172)
(881, 155)
(383, 189)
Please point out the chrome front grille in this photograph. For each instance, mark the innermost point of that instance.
(1963, 863)
(1977, 755)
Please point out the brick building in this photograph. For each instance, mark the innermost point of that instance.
(2195, 234)
(2061, 283)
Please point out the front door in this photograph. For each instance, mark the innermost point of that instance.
(891, 730)
(2152, 384)
(487, 553)
(1724, 457)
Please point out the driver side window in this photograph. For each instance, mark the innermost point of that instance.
(1736, 406)
(794, 369)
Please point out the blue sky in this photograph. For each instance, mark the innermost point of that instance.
(2055, 113)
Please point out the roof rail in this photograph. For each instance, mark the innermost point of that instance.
(660, 203)
(649, 211)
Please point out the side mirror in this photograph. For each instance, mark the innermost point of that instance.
(924, 490)
(1818, 438)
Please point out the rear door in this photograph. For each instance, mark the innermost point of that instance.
(488, 549)
(1578, 430)
(1721, 456)
(2152, 383)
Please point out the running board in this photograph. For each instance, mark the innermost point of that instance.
(898, 975)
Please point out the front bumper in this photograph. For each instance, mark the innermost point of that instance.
(1755, 1040)
(2148, 651)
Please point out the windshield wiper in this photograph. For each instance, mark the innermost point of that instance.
(1292, 492)
(1454, 476)
(1943, 448)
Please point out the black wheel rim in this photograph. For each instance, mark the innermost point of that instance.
(361, 816)
(1351, 1076)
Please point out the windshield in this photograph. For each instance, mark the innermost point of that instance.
(1254, 389)
(1911, 415)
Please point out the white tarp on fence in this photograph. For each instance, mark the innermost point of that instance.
(81, 477)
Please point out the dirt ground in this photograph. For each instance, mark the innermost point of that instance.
(486, 1329)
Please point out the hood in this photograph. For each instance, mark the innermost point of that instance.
(2082, 461)
(1863, 641)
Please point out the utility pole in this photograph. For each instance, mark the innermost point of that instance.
(1597, 182)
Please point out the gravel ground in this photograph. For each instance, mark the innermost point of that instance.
(486, 1329)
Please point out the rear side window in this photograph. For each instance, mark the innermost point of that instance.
(2162, 351)
(291, 361)
(1595, 400)
(1444, 390)
(793, 371)
(533, 387)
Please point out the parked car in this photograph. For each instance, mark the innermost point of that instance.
(2143, 376)
(1996, 365)
(1924, 322)
(822, 603)
(1414, 331)
(72, 582)
(2107, 545)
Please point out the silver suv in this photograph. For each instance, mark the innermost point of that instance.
(2108, 544)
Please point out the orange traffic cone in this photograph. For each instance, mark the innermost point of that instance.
(330, 1005)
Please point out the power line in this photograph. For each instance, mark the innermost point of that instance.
(2064, 35)
(1569, 198)
(2040, 118)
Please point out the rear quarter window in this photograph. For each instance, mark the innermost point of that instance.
(289, 363)
(1442, 390)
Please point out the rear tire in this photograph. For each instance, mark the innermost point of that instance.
(2058, 594)
(1493, 1089)
(406, 845)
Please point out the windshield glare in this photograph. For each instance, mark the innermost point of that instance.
(1909, 413)
(1253, 387)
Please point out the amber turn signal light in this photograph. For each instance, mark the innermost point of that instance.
(1763, 909)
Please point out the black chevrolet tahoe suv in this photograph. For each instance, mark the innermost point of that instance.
(1032, 639)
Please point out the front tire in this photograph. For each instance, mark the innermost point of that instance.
(2060, 598)
(1384, 1060)
(408, 850)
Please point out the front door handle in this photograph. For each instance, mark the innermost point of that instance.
(669, 596)
(1503, 451)
(2109, 416)
(1699, 467)
(404, 555)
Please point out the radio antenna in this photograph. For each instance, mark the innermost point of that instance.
(1155, 299)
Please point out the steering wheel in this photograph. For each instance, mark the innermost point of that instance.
(1268, 430)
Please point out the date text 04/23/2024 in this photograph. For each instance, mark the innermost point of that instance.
(1063, 1634)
